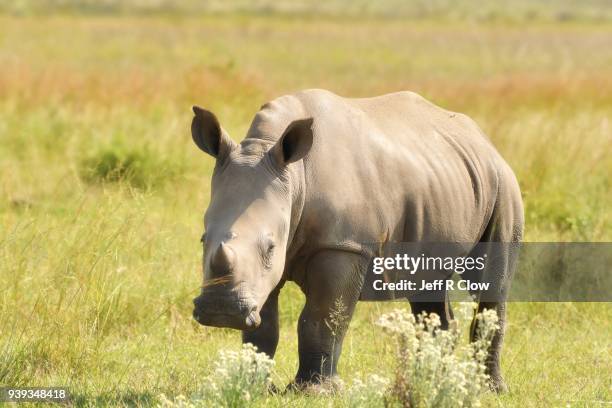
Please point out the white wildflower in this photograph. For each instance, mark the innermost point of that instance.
(369, 392)
(433, 369)
(238, 379)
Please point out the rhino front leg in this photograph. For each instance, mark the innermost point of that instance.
(332, 287)
(265, 337)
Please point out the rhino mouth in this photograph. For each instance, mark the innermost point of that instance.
(248, 323)
(217, 311)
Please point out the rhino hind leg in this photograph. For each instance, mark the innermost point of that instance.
(501, 237)
(493, 361)
(442, 308)
(332, 287)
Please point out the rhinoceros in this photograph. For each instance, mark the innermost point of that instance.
(316, 176)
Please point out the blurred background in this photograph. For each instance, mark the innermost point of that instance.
(102, 190)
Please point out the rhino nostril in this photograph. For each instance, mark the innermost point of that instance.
(197, 301)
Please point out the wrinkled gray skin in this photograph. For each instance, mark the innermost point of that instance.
(317, 175)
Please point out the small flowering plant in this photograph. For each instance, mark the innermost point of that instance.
(368, 392)
(238, 379)
(433, 368)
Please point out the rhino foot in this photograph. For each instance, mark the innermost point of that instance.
(498, 385)
(327, 386)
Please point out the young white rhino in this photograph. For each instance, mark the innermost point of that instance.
(318, 175)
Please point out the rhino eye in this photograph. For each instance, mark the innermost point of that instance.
(270, 249)
(267, 253)
(203, 238)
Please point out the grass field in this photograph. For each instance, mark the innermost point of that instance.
(97, 275)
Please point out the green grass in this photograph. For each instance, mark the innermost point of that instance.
(97, 274)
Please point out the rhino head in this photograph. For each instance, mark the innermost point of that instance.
(247, 223)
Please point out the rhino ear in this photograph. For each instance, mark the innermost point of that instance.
(295, 142)
(208, 134)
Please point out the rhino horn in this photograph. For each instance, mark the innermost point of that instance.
(223, 259)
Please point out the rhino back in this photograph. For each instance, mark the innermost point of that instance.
(394, 167)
